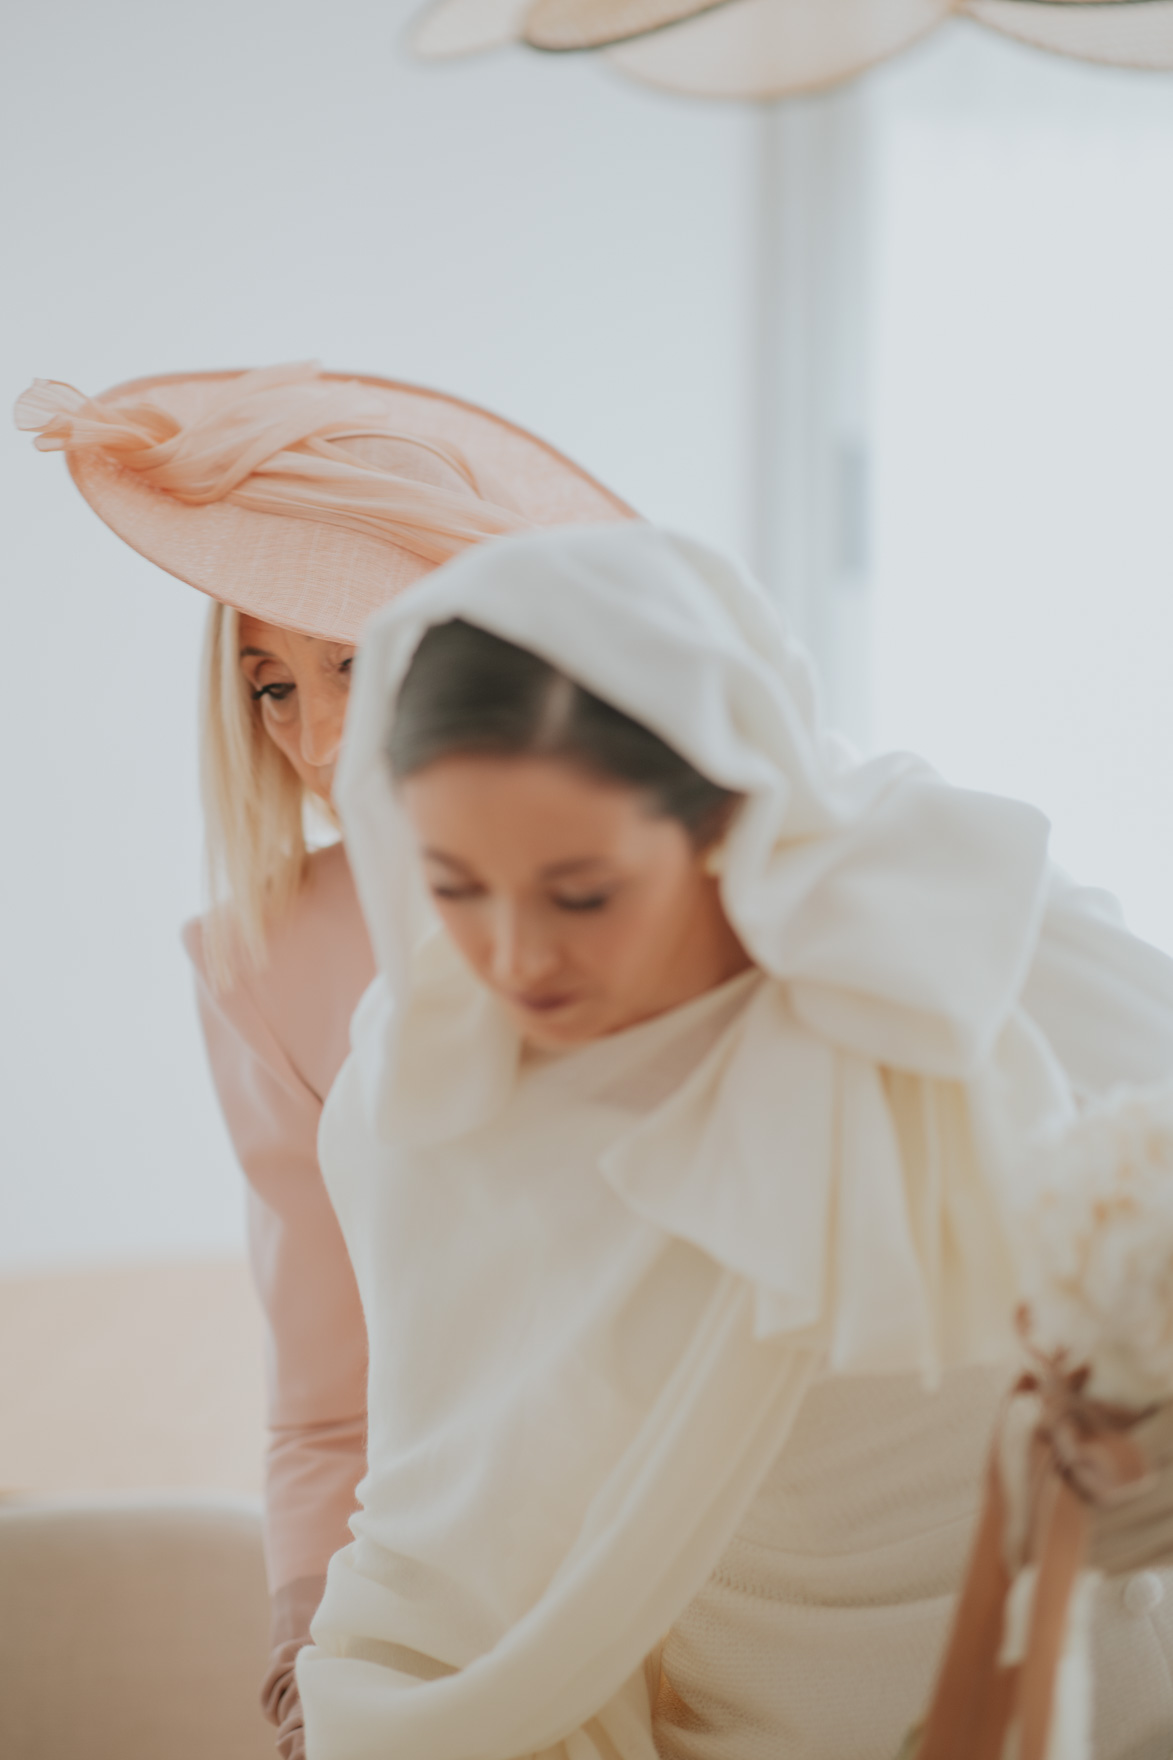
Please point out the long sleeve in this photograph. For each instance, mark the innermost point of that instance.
(276, 1039)
(316, 1337)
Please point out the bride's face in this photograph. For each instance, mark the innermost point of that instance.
(583, 909)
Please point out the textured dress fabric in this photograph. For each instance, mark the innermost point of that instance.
(819, 1632)
(605, 1291)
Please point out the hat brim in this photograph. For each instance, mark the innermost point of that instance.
(306, 576)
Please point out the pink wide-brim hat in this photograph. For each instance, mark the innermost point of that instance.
(304, 498)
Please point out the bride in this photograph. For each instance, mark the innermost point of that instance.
(679, 1155)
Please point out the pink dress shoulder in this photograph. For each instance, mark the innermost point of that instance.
(276, 1039)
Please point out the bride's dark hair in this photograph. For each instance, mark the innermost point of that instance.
(467, 691)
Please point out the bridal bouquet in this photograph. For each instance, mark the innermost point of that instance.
(1080, 1477)
(1098, 1261)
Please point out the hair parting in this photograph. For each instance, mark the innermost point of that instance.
(469, 692)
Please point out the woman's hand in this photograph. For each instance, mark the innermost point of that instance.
(294, 1606)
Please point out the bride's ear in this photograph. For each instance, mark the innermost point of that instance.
(714, 831)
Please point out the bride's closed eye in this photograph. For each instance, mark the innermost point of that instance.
(455, 891)
(590, 901)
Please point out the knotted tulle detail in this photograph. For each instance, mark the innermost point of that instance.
(286, 440)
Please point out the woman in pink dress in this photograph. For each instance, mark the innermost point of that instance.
(300, 502)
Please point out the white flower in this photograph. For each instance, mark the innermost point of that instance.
(1098, 1262)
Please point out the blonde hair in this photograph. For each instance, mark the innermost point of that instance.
(254, 810)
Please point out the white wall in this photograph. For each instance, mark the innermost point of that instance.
(1023, 570)
(229, 185)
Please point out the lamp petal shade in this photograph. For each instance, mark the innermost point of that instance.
(594, 24)
(756, 49)
(450, 28)
(1124, 33)
(771, 48)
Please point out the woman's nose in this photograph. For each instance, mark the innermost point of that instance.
(321, 722)
(522, 954)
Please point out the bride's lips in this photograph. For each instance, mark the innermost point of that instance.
(544, 1004)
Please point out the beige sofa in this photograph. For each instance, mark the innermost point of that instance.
(133, 1613)
(132, 1628)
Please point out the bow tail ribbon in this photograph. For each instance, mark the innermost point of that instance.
(974, 1698)
(978, 1698)
(1064, 1519)
(1082, 1458)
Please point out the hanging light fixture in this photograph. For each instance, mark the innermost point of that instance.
(775, 48)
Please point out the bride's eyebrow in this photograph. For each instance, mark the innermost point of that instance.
(438, 855)
(577, 865)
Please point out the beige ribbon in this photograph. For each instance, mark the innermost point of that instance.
(1083, 1459)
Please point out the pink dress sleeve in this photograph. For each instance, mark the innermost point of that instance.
(297, 1008)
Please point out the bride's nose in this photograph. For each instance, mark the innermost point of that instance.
(522, 953)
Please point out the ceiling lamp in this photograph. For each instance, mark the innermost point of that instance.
(774, 48)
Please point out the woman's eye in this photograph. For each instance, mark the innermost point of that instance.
(593, 901)
(277, 693)
(454, 894)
